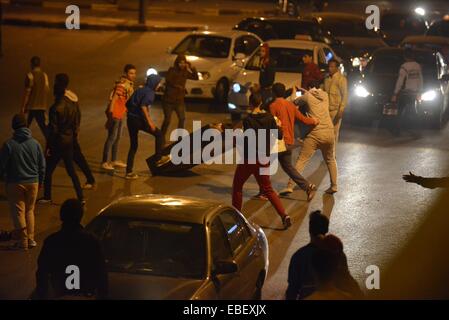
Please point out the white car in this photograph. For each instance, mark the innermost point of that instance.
(288, 57)
(215, 56)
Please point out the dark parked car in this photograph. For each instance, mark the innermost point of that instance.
(439, 28)
(375, 89)
(398, 25)
(170, 247)
(358, 41)
(439, 44)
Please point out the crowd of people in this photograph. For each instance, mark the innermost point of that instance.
(27, 167)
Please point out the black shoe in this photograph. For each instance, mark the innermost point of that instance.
(287, 222)
(311, 191)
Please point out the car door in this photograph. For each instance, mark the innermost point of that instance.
(242, 245)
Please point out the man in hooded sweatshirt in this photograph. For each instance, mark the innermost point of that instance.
(139, 119)
(62, 143)
(175, 88)
(22, 163)
(322, 136)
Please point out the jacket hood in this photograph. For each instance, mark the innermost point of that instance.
(71, 96)
(22, 134)
(153, 80)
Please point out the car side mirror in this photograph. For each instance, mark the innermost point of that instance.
(445, 77)
(225, 267)
(169, 49)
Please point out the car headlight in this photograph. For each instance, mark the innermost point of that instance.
(420, 11)
(429, 95)
(232, 106)
(355, 62)
(203, 75)
(360, 91)
(236, 87)
(151, 71)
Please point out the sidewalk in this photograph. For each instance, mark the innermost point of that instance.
(198, 7)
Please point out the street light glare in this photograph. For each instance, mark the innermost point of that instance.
(420, 11)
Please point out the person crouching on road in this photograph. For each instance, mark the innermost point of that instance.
(257, 120)
(22, 162)
(115, 112)
(175, 88)
(139, 119)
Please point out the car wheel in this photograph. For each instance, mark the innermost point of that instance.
(259, 285)
(221, 91)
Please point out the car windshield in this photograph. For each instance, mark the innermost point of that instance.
(389, 63)
(286, 59)
(152, 247)
(348, 28)
(204, 46)
(403, 23)
(440, 28)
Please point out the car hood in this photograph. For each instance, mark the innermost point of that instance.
(201, 64)
(147, 287)
(360, 45)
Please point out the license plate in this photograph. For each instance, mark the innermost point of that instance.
(390, 109)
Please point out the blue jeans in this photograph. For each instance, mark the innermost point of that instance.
(114, 133)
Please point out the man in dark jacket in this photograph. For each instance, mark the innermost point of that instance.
(71, 262)
(63, 128)
(139, 119)
(301, 280)
(175, 87)
(267, 73)
(22, 163)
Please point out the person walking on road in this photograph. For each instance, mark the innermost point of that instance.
(115, 112)
(322, 136)
(408, 86)
(71, 246)
(64, 122)
(258, 120)
(36, 95)
(336, 87)
(301, 278)
(175, 88)
(139, 119)
(22, 163)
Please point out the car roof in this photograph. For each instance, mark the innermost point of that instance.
(294, 44)
(282, 19)
(224, 33)
(162, 208)
(338, 15)
(427, 39)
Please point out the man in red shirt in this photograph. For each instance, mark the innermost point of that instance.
(288, 113)
(311, 72)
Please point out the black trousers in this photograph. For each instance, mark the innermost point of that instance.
(406, 109)
(39, 115)
(66, 153)
(136, 124)
(81, 162)
(179, 109)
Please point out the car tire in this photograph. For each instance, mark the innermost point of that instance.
(222, 91)
(437, 121)
(259, 285)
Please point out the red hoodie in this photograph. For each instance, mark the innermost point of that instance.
(310, 74)
(287, 112)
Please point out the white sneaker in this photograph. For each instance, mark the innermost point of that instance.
(31, 244)
(119, 164)
(131, 176)
(107, 166)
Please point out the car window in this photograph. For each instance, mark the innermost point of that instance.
(403, 23)
(220, 247)
(349, 28)
(236, 230)
(204, 46)
(152, 247)
(329, 55)
(245, 45)
(286, 59)
(439, 28)
(321, 57)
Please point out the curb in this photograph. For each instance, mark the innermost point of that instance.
(150, 9)
(94, 26)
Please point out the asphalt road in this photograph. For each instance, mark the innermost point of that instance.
(374, 212)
